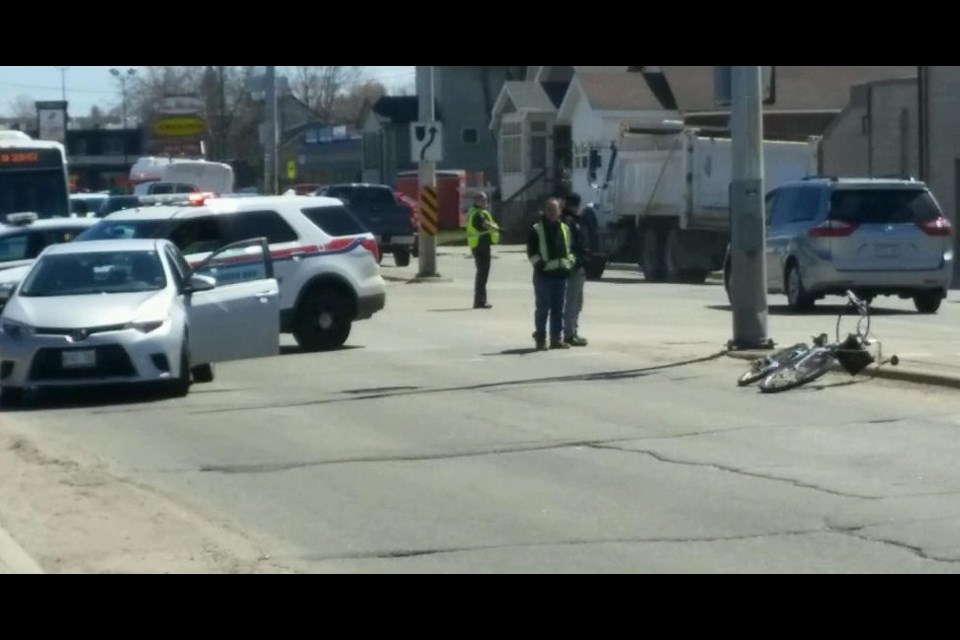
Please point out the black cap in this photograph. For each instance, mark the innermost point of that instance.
(574, 199)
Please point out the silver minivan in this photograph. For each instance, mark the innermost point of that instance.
(873, 236)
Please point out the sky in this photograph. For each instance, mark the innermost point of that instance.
(87, 86)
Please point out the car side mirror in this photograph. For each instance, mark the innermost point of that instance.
(201, 283)
(6, 292)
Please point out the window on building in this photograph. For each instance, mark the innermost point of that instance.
(511, 147)
(538, 145)
(371, 150)
(470, 136)
(113, 146)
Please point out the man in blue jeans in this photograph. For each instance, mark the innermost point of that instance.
(548, 248)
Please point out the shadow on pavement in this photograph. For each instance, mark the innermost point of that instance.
(512, 352)
(821, 310)
(89, 397)
(293, 350)
(603, 376)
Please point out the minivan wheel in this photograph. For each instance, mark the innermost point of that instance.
(797, 296)
(928, 302)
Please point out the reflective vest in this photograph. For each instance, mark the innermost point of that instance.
(564, 263)
(473, 236)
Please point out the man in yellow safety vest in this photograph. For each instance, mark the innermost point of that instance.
(548, 248)
(482, 234)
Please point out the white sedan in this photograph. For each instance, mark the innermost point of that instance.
(133, 311)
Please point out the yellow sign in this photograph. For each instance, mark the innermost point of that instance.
(428, 211)
(292, 170)
(179, 127)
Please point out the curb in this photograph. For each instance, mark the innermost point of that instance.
(13, 559)
(900, 373)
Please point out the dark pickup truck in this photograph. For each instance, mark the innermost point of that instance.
(378, 209)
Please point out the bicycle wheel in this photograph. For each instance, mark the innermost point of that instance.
(800, 372)
(765, 366)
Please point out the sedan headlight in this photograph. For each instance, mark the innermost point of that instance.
(17, 330)
(146, 327)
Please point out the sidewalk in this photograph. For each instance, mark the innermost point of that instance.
(13, 559)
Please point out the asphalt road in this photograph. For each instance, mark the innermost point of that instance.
(438, 442)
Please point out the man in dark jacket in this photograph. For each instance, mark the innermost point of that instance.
(578, 275)
(548, 248)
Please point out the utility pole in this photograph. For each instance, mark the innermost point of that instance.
(63, 82)
(270, 137)
(748, 282)
(428, 171)
(223, 114)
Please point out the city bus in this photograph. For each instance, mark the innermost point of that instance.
(33, 176)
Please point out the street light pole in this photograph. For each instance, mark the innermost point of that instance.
(123, 77)
(63, 82)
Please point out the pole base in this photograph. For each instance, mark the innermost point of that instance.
(763, 345)
(429, 278)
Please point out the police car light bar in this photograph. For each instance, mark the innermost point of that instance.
(178, 199)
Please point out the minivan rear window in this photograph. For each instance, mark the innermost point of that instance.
(883, 206)
(336, 221)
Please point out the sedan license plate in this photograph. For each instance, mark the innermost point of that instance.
(887, 251)
(79, 359)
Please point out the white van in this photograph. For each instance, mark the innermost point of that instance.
(215, 177)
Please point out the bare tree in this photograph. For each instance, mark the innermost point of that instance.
(318, 87)
(23, 107)
(349, 105)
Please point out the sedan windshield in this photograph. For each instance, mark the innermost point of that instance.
(95, 273)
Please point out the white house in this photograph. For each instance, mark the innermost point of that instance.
(523, 120)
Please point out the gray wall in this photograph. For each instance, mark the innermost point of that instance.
(845, 145)
(943, 142)
(893, 122)
(466, 96)
(944, 139)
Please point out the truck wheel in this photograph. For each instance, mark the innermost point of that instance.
(323, 321)
(402, 257)
(671, 255)
(653, 267)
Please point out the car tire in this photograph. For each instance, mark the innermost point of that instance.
(180, 387)
(323, 321)
(203, 374)
(402, 257)
(11, 396)
(797, 297)
(928, 302)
